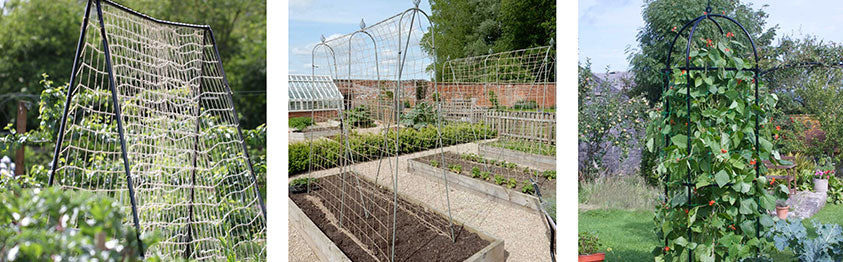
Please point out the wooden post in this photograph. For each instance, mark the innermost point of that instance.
(21, 128)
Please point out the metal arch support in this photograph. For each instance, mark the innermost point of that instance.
(313, 59)
(312, 114)
(377, 69)
(69, 97)
(415, 11)
(694, 23)
(119, 117)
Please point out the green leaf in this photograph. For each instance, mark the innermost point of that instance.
(681, 241)
(680, 140)
(748, 206)
(765, 144)
(722, 178)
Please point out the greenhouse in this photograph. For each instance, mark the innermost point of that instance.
(314, 93)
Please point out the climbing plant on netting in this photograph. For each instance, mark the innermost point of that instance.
(150, 122)
(389, 109)
(710, 136)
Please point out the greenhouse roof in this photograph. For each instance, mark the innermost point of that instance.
(313, 93)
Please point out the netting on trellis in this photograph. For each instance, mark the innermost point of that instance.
(512, 92)
(381, 118)
(186, 158)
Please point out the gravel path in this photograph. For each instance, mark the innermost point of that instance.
(523, 230)
(299, 251)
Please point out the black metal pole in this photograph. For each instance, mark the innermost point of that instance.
(188, 252)
(62, 126)
(119, 117)
(237, 121)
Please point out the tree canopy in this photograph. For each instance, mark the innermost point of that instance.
(40, 36)
(663, 19)
(466, 28)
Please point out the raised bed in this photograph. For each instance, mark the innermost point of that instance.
(422, 166)
(536, 161)
(422, 233)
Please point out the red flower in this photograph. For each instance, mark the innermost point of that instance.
(705, 13)
(689, 58)
(674, 29)
(683, 72)
(666, 249)
(732, 226)
(753, 80)
(752, 162)
(772, 181)
(686, 211)
(724, 12)
(723, 151)
(711, 203)
(739, 81)
(727, 49)
(776, 136)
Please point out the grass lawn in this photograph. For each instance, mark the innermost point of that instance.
(629, 233)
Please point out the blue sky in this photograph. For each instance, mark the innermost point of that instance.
(310, 19)
(607, 28)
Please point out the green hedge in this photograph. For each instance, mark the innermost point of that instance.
(366, 147)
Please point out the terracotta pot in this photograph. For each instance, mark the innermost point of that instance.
(781, 212)
(593, 257)
(820, 185)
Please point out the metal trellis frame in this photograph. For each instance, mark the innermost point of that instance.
(118, 115)
(693, 24)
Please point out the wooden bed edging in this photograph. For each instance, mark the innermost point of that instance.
(324, 248)
(482, 188)
(327, 251)
(541, 162)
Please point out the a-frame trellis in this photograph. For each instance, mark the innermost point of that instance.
(150, 121)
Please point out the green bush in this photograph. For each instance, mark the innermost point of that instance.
(499, 179)
(475, 172)
(359, 116)
(300, 123)
(422, 115)
(45, 224)
(527, 188)
(512, 183)
(526, 146)
(485, 175)
(367, 146)
(455, 168)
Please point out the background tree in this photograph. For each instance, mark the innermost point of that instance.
(39, 36)
(662, 21)
(477, 27)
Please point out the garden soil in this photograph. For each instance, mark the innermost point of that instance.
(416, 240)
(523, 230)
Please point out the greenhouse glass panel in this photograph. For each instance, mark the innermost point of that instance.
(313, 93)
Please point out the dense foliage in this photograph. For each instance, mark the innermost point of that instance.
(715, 145)
(366, 146)
(300, 123)
(607, 119)
(663, 19)
(54, 225)
(359, 116)
(421, 115)
(39, 36)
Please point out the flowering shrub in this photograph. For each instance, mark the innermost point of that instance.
(607, 120)
(714, 143)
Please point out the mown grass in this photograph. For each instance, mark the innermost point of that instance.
(630, 236)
